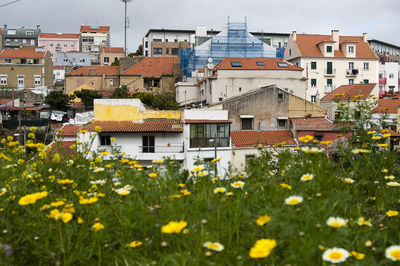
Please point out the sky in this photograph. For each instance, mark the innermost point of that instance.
(380, 19)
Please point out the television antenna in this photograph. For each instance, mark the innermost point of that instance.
(126, 22)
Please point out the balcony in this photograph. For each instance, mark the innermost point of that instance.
(330, 72)
(351, 72)
(382, 81)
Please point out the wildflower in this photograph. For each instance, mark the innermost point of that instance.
(312, 150)
(293, 200)
(306, 138)
(335, 255)
(97, 227)
(98, 182)
(306, 177)
(56, 157)
(202, 173)
(216, 160)
(262, 248)
(376, 138)
(386, 135)
(56, 204)
(390, 177)
(65, 181)
(197, 168)
(219, 190)
(237, 184)
(393, 253)
(97, 129)
(32, 198)
(185, 192)
(263, 220)
(384, 170)
(173, 227)
(286, 186)
(228, 194)
(158, 161)
(66, 217)
(175, 196)
(357, 255)
(88, 201)
(371, 132)
(391, 213)
(326, 142)
(383, 144)
(393, 184)
(336, 222)
(122, 191)
(152, 175)
(98, 170)
(135, 243)
(213, 246)
(362, 151)
(361, 221)
(80, 220)
(348, 180)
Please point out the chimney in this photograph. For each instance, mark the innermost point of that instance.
(294, 35)
(365, 37)
(335, 36)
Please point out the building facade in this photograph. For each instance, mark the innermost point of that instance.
(330, 61)
(28, 67)
(389, 78)
(14, 38)
(384, 48)
(93, 38)
(109, 55)
(57, 43)
(73, 59)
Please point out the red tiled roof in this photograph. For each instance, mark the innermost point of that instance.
(100, 70)
(21, 53)
(58, 67)
(254, 138)
(308, 45)
(187, 121)
(95, 29)
(389, 106)
(59, 35)
(312, 123)
(62, 148)
(153, 67)
(112, 50)
(4, 101)
(251, 64)
(69, 131)
(171, 126)
(350, 91)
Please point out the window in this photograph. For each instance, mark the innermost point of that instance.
(3, 80)
(32, 42)
(147, 53)
(65, 45)
(366, 66)
(236, 64)
(329, 49)
(20, 79)
(8, 60)
(11, 32)
(157, 40)
(24, 41)
(290, 52)
(260, 63)
(313, 65)
(283, 64)
(148, 144)
(116, 59)
(247, 123)
(313, 82)
(37, 79)
(8, 41)
(209, 135)
(380, 75)
(313, 98)
(106, 60)
(29, 33)
(51, 45)
(146, 44)
(65, 60)
(82, 60)
(15, 40)
(167, 50)
(72, 46)
(176, 40)
(36, 61)
(282, 123)
(329, 69)
(366, 81)
(351, 81)
(319, 137)
(157, 50)
(391, 75)
(280, 97)
(174, 51)
(351, 49)
(166, 40)
(105, 140)
(23, 61)
(329, 83)
(351, 66)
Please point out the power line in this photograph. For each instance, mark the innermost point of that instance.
(9, 3)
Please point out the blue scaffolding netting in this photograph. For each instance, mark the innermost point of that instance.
(235, 42)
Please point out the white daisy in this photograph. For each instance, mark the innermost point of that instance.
(293, 200)
(393, 253)
(335, 255)
(213, 246)
(336, 222)
(306, 177)
(237, 184)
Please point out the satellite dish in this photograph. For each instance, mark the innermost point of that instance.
(210, 60)
(210, 64)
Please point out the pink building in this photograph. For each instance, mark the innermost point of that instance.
(59, 42)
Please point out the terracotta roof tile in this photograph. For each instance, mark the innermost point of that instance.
(95, 29)
(350, 91)
(188, 121)
(59, 35)
(254, 138)
(69, 131)
(62, 148)
(312, 123)
(389, 106)
(100, 70)
(112, 50)
(21, 53)
(171, 126)
(251, 64)
(308, 45)
(4, 101)
(153, 67)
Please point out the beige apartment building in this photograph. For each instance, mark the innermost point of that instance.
(28, 67)
(109, 55)
(93, 38)
(330, 61)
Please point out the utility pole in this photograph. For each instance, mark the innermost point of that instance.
(126, 20)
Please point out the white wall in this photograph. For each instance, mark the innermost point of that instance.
(187, 93)
(206, 114)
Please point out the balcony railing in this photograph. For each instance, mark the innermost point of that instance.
(351, 72)
(172, 148)
(209, 142)
(330, 72)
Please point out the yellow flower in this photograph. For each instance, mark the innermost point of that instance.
(213, 246)
(293, 200)
(216, 160)
(312, 150)
(97, 129)
(80, 220)
(297, 148)
(65, 181)
(56, 203)
(197, 168)
(386, 135)
(158, 161)
(376, 138)
(390, 177)
(263, 220)
(55, 214)
(393, 253)
(262, 248)
(336, 222)
(97, 227)
(202, 173)
(237, 184)
(393, 184)
(219, 190)
(306, 138)
(306, 177)
(371, 132)
(32, 198)
(383, 144)
(348, 180)
(66, 217)
(152, 175)
(362, 151)
(173, 227)
(284, 185)
(384, 170)
(391, 213)
(357, 255)
(185, 192)
(361, 221)
(56, 157)
(84, 201)
(228, 194)
(335, 255)
(134, 244)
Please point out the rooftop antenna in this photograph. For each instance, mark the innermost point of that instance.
(126, 22)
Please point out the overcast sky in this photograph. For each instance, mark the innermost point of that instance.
(379, 18)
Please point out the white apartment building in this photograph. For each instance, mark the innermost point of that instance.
(93, 38)
(389, 78)
(330, 61)
(384, 48)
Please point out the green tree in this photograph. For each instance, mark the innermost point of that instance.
(58, 99)
(115, 63)
(87, 96)
(120, 92)
(145, 97)
(138, 52)
(165, 101)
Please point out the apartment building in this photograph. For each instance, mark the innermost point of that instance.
(389, 78)
(384, 48)
(93, 38)
(109, 55)
(27, 67)
(13, 38)
(73, 59)
(330, 61)
(57, 43)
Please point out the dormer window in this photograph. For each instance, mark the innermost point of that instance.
(329, 49)
(351, 49)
